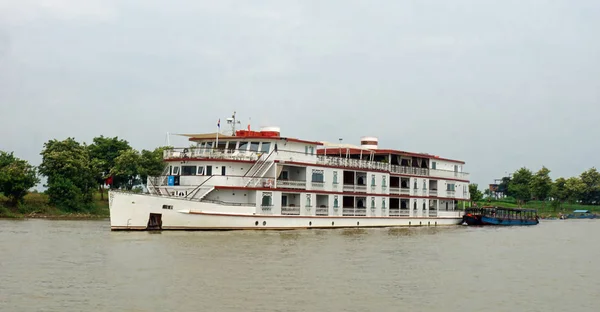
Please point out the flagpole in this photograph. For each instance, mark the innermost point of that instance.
(218, 128)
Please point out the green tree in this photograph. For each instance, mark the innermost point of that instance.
(127, 168)
(103, 152)
(591, 191)
(559, 192)
(151, 164)
(475, 193)
(17, 176)
(69, 170)
(541, 184)
(575, 189)
(519, 185)
(503, 186)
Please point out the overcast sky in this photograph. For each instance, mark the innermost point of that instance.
(499, 84)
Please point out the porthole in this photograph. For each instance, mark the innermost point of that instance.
(332, 223)
(264, 222)
(256, 223)
(420, 223)
(357, 223)
(428, 223)
(310, 223)
(435, 223)
(408, 223)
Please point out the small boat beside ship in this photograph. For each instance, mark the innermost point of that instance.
(500, 216)
(581, 214)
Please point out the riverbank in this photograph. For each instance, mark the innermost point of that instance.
(544, 209)
(35, 205)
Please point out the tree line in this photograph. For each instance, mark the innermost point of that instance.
(524, 185)
(75, 171)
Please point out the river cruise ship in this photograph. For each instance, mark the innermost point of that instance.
(259, 180)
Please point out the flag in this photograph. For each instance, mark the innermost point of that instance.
(219, 123)
(109, 180)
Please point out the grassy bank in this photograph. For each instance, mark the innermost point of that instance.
(545, 209)
(36, 205)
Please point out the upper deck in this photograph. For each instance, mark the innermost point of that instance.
(309, 153)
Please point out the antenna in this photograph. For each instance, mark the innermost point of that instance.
(232, 121)
(167, 139)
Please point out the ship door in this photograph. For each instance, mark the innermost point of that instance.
(208, 170)
(155, 222)
(223, 170)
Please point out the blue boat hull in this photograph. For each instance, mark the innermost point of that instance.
(498, 221)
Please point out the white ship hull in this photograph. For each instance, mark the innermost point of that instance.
(130, 211)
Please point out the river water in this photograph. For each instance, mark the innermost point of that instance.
(83, 266)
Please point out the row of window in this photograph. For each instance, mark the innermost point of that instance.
(242, 146)
(267, 201)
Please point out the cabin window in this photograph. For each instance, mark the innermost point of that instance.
(415, 205)
(208, 170)
(446, 206)
(176, 170)
(416, 184)
(188, 170)
(170, 207)
(284, 175)
(335, 201)
(423, 206)
(424, 184)
(243, 146)
(232, 146)
(200, 170)
(312, 150)
(222, 145)
(372, 180)
(308, 200)
(265, 147)
(450, 187)
(383, 203)
(267, 199)
(433, 165)
(383, 181)
(317, 175)
(306, 150)
(372, 202)
(170, 170)
(335, 181)
(254, 146)
(209, 146)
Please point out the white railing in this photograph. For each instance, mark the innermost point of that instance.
(451, 193)
(433, 192)
(322, 211)
(351, 163)
(404, 212)
(417, 192)
(348, 211)
(291, 184)
(404, 191)
(360, 211)
(317, 185)
(448, 174)
(433, 213)
(179, 153)
(394, 212)
(348, 188)
(395, 190)
(360, 188)
(288, 210)
(267, 209)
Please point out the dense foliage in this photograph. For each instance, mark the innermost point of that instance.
(75, 171)
(524, 186)
(17, 176)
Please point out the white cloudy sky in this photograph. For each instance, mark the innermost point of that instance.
(499, 84)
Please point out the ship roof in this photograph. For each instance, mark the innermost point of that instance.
(213, 136)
